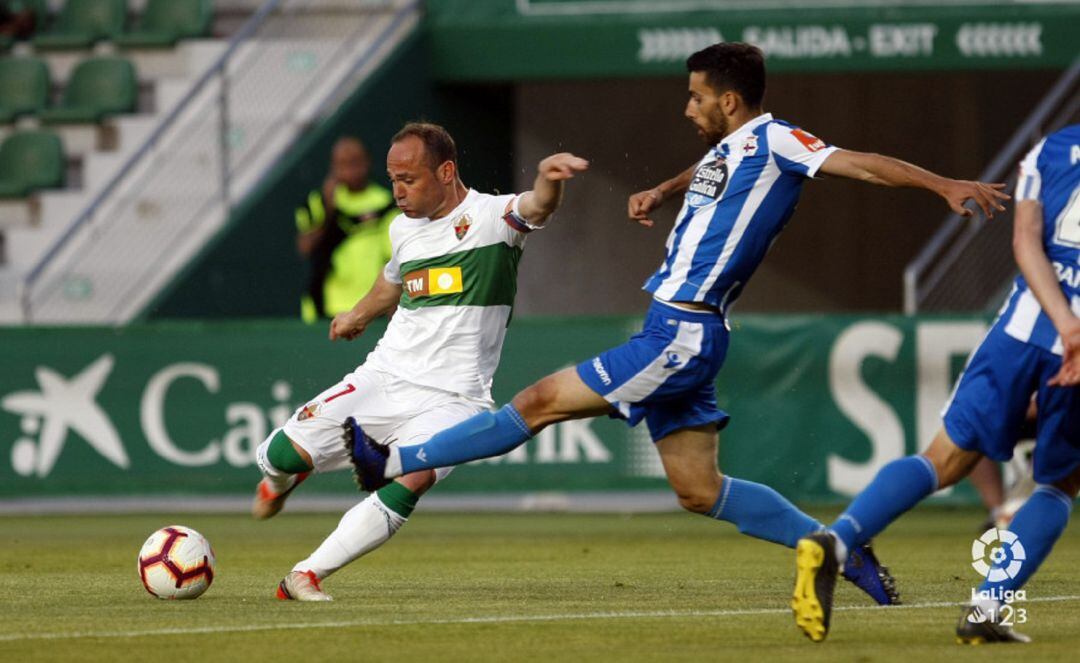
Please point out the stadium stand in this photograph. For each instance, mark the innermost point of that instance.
(165, 189)
(81, 23)
(167, 21)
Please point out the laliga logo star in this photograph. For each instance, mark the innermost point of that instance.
(59, 406)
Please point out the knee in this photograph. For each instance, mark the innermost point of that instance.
(418, 482)
(536, 401)
(1070, 485)
(698, 497)
(950, 462)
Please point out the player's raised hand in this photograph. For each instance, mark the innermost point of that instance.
(643, 202)
(1069, 375)
(346, 326)
(561, 166)
(987, 196)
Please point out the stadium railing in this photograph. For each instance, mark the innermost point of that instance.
(967, 265)
(285, 68)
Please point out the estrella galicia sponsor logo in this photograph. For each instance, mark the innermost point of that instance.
(708, 184)
(62, 405)
(598, 366)
(997, 555)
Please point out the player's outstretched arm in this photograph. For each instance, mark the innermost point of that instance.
(380, 299)
(887, 171)
(1041, 278)
(537, 205)
(643, 202)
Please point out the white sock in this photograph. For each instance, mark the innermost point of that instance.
(841, 552)
(362, 529)
(988, 606)
(393, 463)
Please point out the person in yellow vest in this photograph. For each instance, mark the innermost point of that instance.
(343, 231)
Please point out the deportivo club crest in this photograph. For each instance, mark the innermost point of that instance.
(462, 226)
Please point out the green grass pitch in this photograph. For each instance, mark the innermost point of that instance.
(500, 587)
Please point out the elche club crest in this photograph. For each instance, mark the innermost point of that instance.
(462, 225)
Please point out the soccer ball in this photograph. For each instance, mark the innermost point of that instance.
(176, 562)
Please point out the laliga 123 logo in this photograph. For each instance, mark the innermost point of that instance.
(997, 555)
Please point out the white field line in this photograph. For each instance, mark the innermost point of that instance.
(496, 619)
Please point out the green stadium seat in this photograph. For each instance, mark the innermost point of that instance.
(30, 160)
(98, 87)
(83, 22)
(24, 87)
(167, 21)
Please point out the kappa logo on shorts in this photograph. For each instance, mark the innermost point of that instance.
(673, 360)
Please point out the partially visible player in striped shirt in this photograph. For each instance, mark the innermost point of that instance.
(1033, 346)
(737, 199)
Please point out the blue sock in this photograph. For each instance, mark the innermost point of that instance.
(761, 512)
(484, 435)
(1037, 526)
(898, 486)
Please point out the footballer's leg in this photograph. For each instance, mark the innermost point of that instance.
(284, 465)
(363, 528)
(896, 488)
(376, 519)
(310, 440)
(1042, 519)
(689, 458)
(557, 397)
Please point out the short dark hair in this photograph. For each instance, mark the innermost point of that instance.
(438, 143)
(732, 66)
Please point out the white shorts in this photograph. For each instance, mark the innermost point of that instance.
(389, 409)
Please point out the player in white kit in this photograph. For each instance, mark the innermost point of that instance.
(453, 277)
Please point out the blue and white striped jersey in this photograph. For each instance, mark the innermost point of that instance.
(743, 193)
(1050, 175)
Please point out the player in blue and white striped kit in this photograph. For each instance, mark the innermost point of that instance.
(738, 197)
(1033, 346)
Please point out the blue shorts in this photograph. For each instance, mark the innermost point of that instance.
(988, 409)
(666, 373)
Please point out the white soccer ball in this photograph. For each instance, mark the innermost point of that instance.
(176, 562)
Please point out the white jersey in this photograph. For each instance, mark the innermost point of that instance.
(459, 277)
